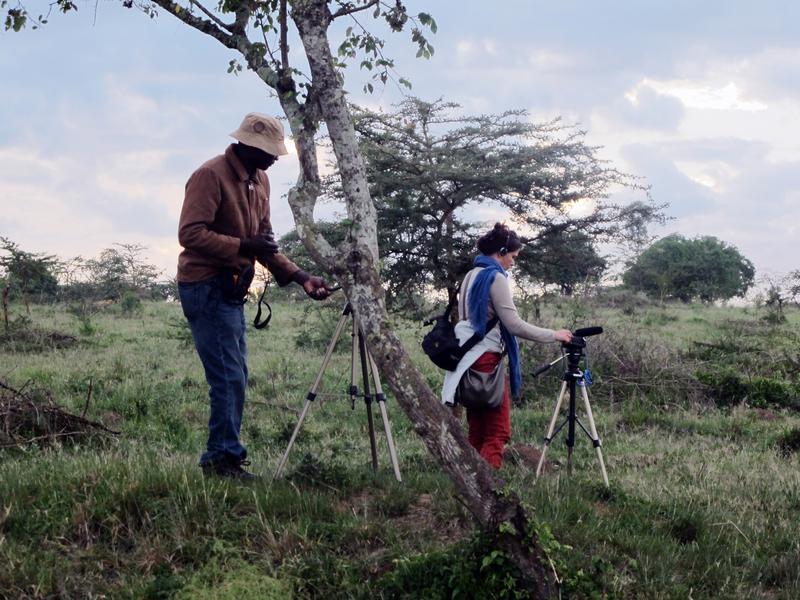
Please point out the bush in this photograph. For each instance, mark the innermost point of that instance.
(130, 304)
(466, 570)
(728, 387)
(789, 442)
(318, 326)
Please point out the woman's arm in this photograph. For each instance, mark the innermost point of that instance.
(503, 304)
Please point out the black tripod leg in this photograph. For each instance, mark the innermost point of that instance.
(312, 394)
(362, 349)
(353, 363)
(387, 427)
(571, 419)
(548, 438)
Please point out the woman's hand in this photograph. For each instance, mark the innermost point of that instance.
(563, 335)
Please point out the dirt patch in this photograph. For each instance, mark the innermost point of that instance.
(423, 516)
(764, 414)
(528, 456)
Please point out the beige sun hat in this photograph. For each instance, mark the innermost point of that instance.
(262, 132)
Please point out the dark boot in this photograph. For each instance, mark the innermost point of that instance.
(230, 468)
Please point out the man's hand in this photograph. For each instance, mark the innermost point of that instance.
(259, 246)
(316, 288)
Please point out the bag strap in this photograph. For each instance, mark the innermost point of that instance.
(451, 304)
(477, 337)
(463, 308)
(261, 324)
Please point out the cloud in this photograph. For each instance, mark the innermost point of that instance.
(692, 95)
(649, 109)
(728, 188)
(669, 184)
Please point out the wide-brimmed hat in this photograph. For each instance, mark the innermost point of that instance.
(262, 132)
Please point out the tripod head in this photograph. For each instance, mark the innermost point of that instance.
(573, 350)
(579, 338)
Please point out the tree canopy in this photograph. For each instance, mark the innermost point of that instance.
(703, 268)
(25, 274)
(566, 259)
(436, 175)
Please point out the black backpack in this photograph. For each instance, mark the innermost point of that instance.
(441, 343)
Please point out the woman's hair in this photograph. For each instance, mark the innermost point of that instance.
(499, 239)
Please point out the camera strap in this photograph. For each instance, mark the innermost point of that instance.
(257, 323)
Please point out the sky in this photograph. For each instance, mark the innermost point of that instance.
(106, 112)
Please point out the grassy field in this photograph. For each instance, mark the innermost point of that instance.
(696, 406)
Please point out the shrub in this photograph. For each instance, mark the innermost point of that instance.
(789, 442)
(728, 387)
(466, 570)
(130, 304)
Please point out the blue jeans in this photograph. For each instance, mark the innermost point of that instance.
(218, 329)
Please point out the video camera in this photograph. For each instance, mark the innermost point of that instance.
(579, 338)
(573, 349)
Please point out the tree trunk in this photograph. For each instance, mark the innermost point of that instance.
(444, 437)
(6, 291)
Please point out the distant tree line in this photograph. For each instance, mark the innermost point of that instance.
(116, 271)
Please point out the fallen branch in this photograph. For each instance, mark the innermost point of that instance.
(34, 418)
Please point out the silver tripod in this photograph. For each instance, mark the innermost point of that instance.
(573, 378)
(368, 367)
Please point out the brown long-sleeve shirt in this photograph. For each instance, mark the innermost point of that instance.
(222, 205)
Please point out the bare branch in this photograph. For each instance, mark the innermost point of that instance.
(353, 9)
(284, 44)
(204, 26)
(211, 15)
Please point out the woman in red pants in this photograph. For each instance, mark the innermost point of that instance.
(485, 294)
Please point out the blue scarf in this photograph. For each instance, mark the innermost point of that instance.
(478, 311)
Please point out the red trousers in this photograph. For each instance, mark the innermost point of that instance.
(490, 429)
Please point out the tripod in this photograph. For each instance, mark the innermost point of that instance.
(368, 366)
(573, 378)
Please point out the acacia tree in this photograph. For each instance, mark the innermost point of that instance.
(307, 104)
(120, 269)
(704, 267)
(563, 258)
(430, 168)
(26, 273)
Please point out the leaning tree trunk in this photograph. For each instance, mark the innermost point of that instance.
(441, 433)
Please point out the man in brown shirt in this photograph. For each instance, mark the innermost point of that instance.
(224, 226)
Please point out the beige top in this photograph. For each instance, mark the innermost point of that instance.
(501, 304)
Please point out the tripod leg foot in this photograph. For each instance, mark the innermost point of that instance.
(602, 465)
(285, 456)
(541, 459)
(552, 427)
(593, 430)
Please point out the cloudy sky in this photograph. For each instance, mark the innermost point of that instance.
(105, 112)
